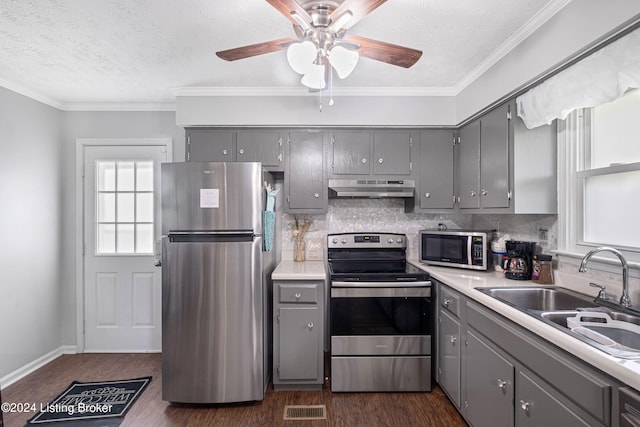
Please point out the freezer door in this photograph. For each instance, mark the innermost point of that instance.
(213, 322)
(213, 196)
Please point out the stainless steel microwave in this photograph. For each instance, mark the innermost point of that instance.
(468, 249)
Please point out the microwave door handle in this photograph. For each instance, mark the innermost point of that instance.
(469, 253)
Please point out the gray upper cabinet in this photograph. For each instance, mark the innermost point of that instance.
(503, 167)
(468, 149)
(207, 145)
(435, 168)
(351, 153)
(251, 145)
(305, 183)
(494, 158)
(381, 153)
(392, 152)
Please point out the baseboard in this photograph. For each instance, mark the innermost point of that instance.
(22, 372)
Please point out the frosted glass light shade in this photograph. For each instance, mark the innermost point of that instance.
(301, 56)
(314, 77)
(343, 60)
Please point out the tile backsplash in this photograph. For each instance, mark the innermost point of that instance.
(387, 215)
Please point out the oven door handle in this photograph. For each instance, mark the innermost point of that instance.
(399, 284)
(424, 292)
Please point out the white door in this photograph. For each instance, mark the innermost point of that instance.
(122, 285)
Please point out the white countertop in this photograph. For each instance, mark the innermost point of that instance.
(465, 282)
(306, 270)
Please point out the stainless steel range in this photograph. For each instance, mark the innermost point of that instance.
(380, 315)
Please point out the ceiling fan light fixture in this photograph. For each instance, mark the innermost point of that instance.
(314, 77)
(301, 56)
(343, 60)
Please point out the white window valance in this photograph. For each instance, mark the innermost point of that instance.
(597, 79)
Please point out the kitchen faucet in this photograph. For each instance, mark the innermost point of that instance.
(625, 301)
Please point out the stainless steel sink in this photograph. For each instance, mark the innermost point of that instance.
(554, 305)
(540, 298)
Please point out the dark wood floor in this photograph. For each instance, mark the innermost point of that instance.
(343, 409)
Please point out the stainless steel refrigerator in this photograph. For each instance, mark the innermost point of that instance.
(215, 283)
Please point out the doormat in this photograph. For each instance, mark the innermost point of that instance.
(305, 412)
(93, 403)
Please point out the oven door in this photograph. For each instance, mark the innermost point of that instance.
(380, 321)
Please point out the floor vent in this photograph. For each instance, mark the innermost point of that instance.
(305, 412)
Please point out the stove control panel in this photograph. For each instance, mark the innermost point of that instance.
(366, 240)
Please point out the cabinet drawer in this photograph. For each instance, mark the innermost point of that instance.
(449, 300)
(297, 293)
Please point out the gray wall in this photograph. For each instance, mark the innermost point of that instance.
(31, 212)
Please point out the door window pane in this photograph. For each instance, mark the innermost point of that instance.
(124, 207)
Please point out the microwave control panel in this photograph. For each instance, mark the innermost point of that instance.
(477, 250)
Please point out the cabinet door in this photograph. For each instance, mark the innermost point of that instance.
(538, 406)
(305, 183)
(488, 385)
(351, 153)
(260, 146)
(469, 165)
(449, 356)
(392, 153)
(435, 185)
(494, 158)
(206, 145)
(299, 343)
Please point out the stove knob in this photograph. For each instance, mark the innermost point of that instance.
(344, 241)
(334, 241)
(390, 241)
(399, 240)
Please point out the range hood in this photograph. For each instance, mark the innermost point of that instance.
(370, 188)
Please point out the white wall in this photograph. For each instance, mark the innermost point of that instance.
(577, 26)
(304, 111)
(30, 229)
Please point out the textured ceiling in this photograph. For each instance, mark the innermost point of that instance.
(141, 51)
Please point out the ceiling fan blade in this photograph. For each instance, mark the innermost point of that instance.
(287, 7)
(358, 8)
(385, 52)
(255, 49)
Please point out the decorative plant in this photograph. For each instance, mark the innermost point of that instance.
(301, 227)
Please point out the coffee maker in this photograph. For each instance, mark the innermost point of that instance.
(518, 261)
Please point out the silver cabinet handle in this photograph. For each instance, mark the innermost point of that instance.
(484, 192)
(427, 195)
(364, 161)
(446, 302)
(472, 193)
(381, 160)
(316, 195)
(241, 151)
(310, 325)
(503, 385)
(526, 407)
(298, 295)
(225, 152)
(453, 340)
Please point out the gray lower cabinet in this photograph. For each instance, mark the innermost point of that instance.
(511, 377)
(249, 145)
(298, 335)
(305, 183)
(489, 384)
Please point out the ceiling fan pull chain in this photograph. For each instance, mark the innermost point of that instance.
(330, 86)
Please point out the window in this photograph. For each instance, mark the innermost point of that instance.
(124, 207)
(604, 176)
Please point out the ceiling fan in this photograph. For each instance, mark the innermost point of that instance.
(322, 41)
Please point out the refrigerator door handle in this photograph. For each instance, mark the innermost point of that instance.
(212, 236)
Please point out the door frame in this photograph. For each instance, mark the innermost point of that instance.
(81, 144)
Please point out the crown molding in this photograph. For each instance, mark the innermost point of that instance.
(30, 93)
(119, 106)
(300, 91)
(512, 42)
